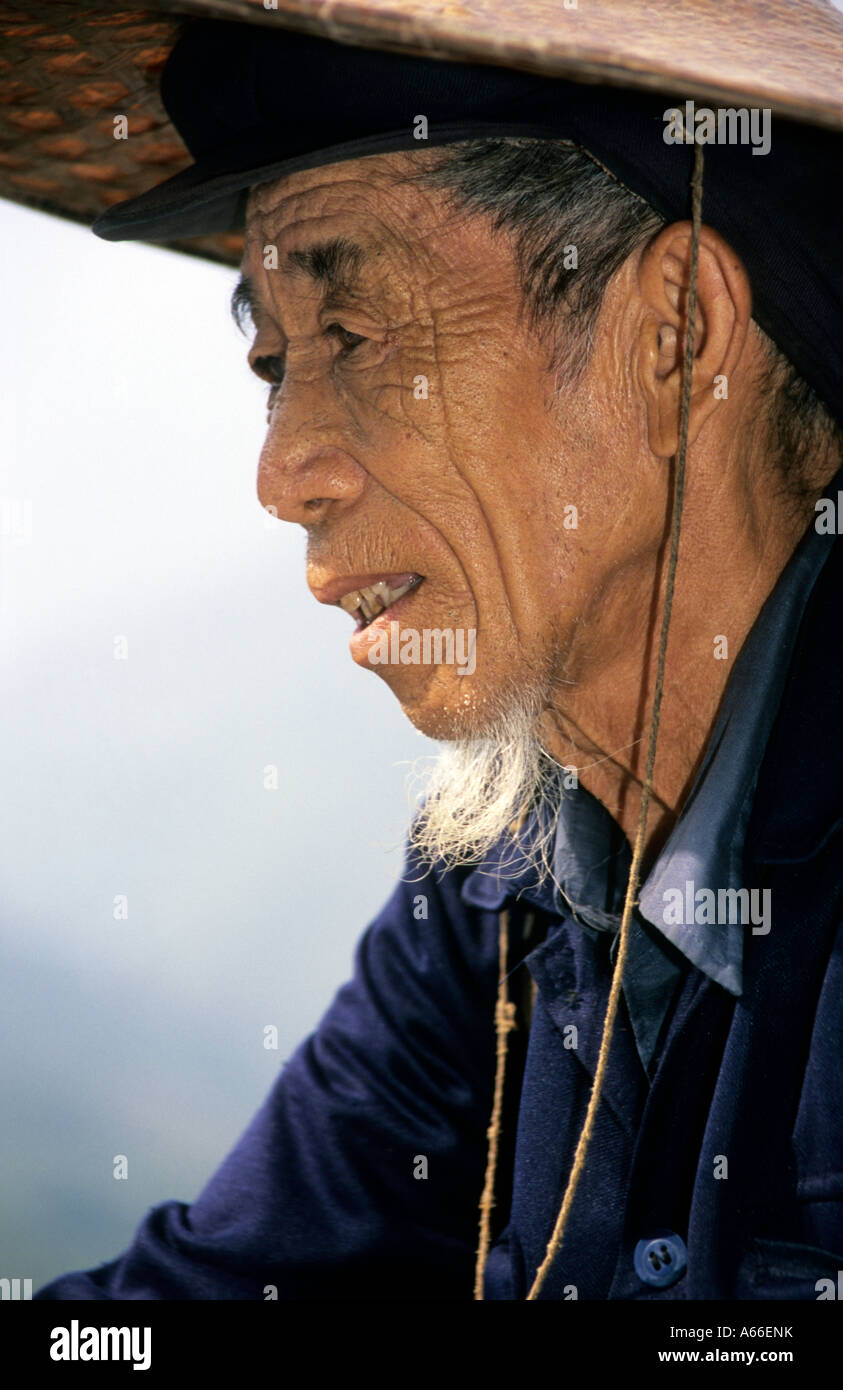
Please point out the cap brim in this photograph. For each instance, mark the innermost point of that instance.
(210, 196)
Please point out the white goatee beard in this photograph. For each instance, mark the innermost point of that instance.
(476, 789)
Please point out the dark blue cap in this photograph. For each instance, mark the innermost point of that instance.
(253, 104)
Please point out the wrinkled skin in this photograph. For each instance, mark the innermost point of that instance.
(469, 487)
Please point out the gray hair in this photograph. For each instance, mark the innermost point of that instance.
(548, 194)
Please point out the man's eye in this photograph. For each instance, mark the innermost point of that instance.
(271, 369)
(348, 340)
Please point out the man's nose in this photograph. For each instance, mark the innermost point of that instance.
(305, 470)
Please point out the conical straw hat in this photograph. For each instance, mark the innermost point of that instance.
(68, 68)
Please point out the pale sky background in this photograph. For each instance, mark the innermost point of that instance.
(129, 437)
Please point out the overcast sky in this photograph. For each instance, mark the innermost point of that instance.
(129, 438)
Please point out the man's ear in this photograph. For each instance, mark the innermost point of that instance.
(724, 307)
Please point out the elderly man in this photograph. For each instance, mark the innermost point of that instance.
(475, 354)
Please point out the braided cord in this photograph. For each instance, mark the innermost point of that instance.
(504, 1023)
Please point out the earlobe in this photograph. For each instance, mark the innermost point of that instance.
(722, 319)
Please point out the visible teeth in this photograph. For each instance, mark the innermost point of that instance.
(370, 605)
(374, 599)
(351, 602)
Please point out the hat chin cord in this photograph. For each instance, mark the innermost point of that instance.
(505, 1010)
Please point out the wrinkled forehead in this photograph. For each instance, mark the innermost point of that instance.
(370, 229)
(360, 199)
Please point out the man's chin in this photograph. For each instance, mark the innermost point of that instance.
(481, 783)
(451, 715)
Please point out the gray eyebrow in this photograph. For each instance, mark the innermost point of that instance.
(333, 265)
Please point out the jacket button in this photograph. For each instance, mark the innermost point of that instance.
(661, 1260)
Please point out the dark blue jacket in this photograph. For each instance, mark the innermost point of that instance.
(324, 1196)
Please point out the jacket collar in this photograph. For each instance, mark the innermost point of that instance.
(798, 802)
(507, 873)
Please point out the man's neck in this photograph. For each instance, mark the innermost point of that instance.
(732, 552)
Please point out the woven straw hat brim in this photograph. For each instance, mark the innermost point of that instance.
(67, 69)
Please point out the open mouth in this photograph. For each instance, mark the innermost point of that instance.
(367, 604)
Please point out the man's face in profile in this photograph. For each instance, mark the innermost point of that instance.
(420, 437)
